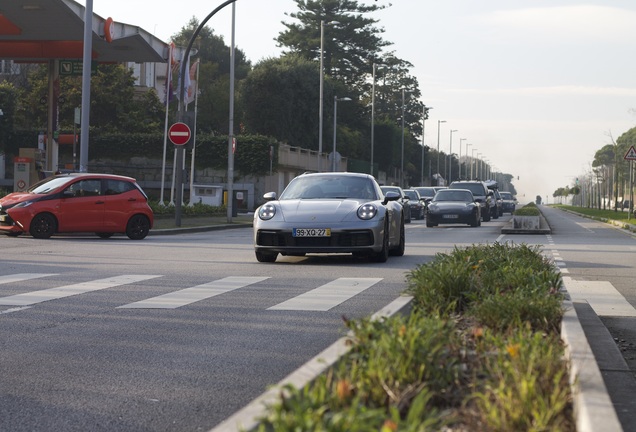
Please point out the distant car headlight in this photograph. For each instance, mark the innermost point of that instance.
(367, 211)
(267, 211)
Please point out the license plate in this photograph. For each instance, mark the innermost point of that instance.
(450, 216)
(311, 232)
(3, 218)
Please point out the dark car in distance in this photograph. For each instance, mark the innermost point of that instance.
(482, 194)
(453, 206)
(416, 203)
(508, 203)
(427, 193)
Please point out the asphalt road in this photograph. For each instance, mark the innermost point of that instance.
(176, 333)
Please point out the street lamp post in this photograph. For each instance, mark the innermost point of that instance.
(467, 161)
(424, 116)
(322, 85)
(372, 119)
(402, 158)
(450, 157)
(438, 127)
(478, 166)
(460, 157)
(320, 110)
(180, 116)
(335, 115)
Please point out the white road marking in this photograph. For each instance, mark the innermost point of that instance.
(18, 309)
(186, 296)
(602, 296)
(18, 277)
(34, 297)
(327, 296)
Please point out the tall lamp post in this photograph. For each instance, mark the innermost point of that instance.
(438, 123)
(402, 157)
(322, 85)
(467, 145)
(460, 157)
(478, 167)
(180, 116)
(450, 157)
(424, 117)
(335, 115)
(322, 73)
(372, 119)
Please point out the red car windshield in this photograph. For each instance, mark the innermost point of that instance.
(47, 185)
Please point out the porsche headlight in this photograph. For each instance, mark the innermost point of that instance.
(367, 211)
(267, 211)
(432, 208)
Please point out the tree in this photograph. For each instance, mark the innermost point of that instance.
(214, 76)
(351, 42)
(8, 104)
(114, 103)
(393, 76)
(604, 159)
(279, 99)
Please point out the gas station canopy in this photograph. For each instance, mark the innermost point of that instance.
(43, 30)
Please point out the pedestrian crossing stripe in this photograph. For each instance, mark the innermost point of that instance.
(34, 297)
(186, 296)
(323, 298)
(18, 277)
(327, 296)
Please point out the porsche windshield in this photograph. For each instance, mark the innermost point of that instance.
(329, 187)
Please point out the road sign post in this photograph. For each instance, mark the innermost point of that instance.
(631, 157)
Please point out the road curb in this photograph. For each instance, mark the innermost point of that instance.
(179, 230)
(593, 408)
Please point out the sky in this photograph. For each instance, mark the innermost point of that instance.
(535, 87)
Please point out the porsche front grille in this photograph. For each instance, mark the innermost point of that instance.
(341, 239)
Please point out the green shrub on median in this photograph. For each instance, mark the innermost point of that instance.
(197, 209)
(479, 351)
(529, 209)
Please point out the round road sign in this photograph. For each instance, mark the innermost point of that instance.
(179, 134)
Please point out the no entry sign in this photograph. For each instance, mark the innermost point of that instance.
(179, 134)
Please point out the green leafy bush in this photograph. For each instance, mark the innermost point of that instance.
(530, 209)
(479, 351)
(197, 209)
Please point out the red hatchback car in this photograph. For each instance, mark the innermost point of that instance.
(101, 203)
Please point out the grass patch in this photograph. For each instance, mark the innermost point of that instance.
(599, 214)
(479, 351)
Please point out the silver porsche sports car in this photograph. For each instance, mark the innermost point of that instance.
(330, 213)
